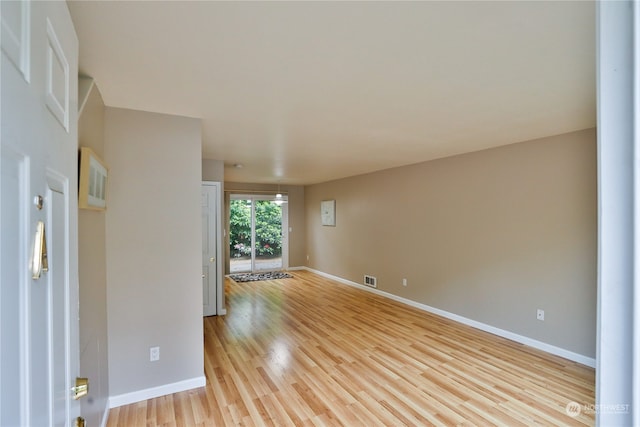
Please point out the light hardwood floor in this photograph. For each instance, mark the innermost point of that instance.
(310, 351)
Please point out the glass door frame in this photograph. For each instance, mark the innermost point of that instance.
(284, 229)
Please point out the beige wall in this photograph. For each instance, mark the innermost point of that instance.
(213, 170)
(153, 241)
(297, 238)
(490, 236)
(93, 275)
(297, 223)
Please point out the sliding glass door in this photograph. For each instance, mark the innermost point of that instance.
(257, 233)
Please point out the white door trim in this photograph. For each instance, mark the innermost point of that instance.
(618, 337)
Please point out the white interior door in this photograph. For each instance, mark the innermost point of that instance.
(210, 247)
(39, 340)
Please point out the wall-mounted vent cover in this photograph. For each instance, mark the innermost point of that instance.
(370, 281)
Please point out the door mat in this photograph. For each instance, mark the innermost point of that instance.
(259, 276)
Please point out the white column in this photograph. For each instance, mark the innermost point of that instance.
(619, 227)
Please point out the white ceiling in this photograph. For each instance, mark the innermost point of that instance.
(306, 92)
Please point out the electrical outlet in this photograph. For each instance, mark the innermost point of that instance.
(307, 257)
(404, 282)
(154, 354)
(540, 314)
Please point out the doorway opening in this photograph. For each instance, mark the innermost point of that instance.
(258, 233)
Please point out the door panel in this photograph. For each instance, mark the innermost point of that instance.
(58, 291)
(205, 291)
(15, 33)
(240, 235)
(258, 233)
(209, 249)
(12, 222)
(37, 145)
(268, 235)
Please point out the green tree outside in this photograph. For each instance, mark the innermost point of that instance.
(268, 228)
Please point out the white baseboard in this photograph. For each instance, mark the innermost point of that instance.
(150, 393)
(298, 268)
(579, 358)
